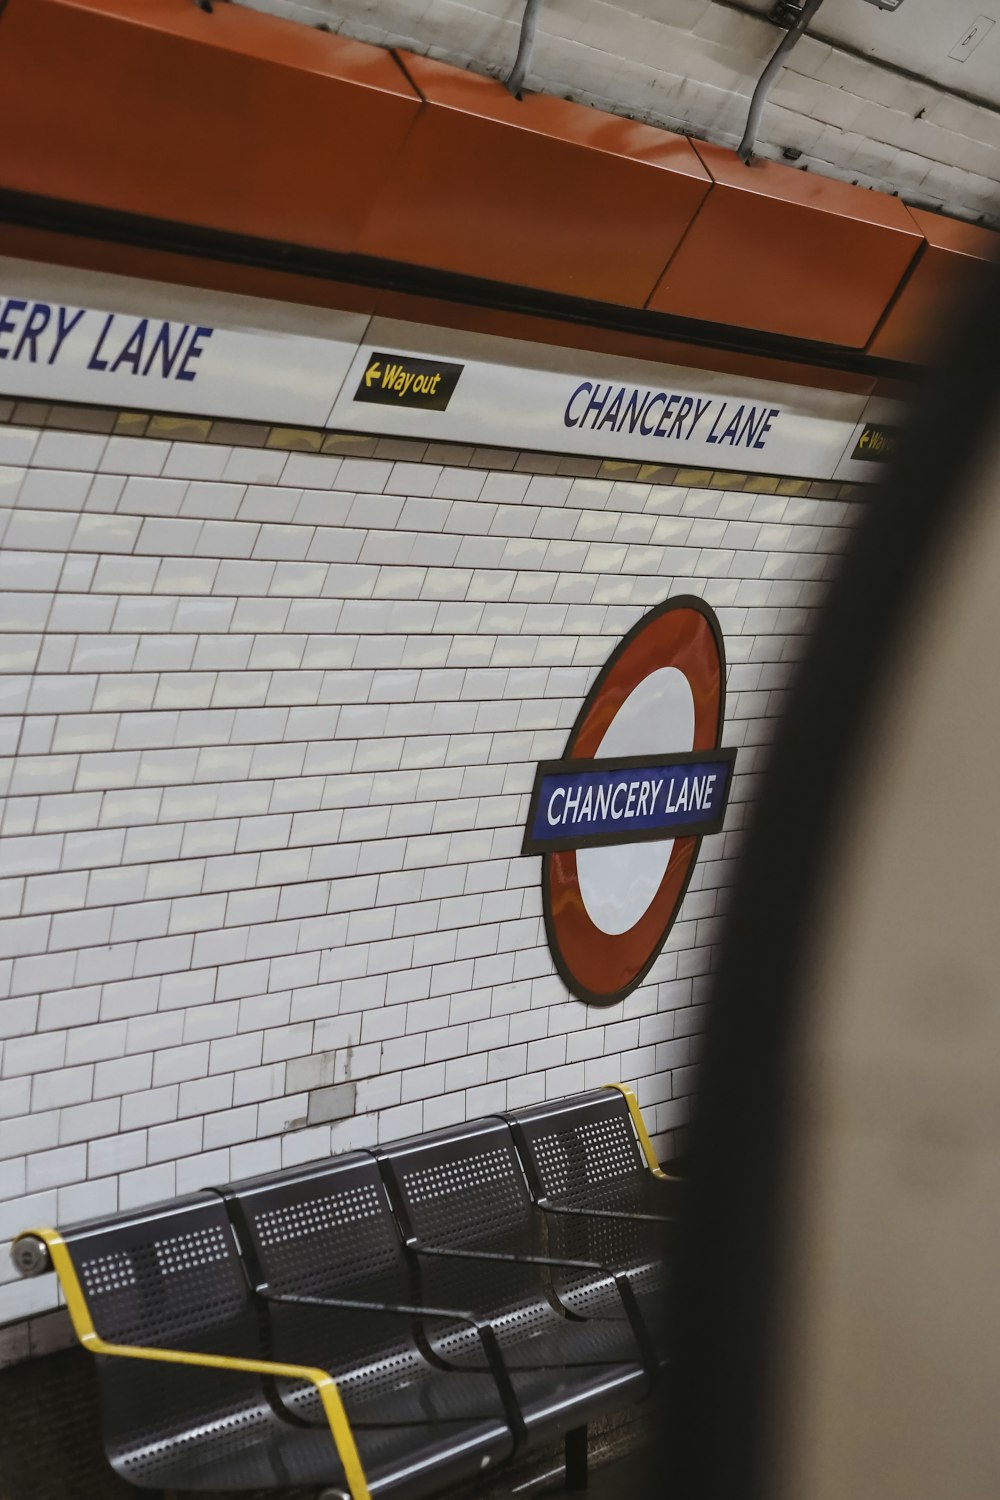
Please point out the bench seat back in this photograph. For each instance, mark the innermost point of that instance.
(582, 1158)
(323, 1230)
(326, 1234)
(459, 1186)
(169, 1277)
(575, 1150)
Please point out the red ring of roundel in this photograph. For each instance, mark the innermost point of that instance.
(597, 967)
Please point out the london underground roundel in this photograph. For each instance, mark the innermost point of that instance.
(620, 818)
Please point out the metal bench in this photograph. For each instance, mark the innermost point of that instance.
(591, 1169)
(377, 1325)
(571, 1331)
(324, 1256)
(188, 1400)
(591, 1154)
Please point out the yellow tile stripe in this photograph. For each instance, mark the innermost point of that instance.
(166, 427)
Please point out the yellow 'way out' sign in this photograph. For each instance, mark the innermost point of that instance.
(398, 379)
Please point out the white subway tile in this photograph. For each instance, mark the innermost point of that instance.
(55, 1169)
(318, 800)
(89, 1121)
(149, 1185)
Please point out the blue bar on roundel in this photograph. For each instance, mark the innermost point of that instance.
(626, 803)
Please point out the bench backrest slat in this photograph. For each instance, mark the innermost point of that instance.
(322, 1230)
(163, 1277)
(458, 1185)
(572, 1145)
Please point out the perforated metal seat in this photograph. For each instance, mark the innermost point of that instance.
(168, 1287)
(604, 1197)
(583, 1154)
(324, 1254)
(170, 1279)
(480, 1243)
(301, 1331)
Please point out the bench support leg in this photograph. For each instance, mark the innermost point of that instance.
(576, 1459)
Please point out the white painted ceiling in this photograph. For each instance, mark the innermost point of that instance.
(920, 36)
(870, 96)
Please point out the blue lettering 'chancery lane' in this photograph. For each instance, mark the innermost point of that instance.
(575, 804)
(52, 333)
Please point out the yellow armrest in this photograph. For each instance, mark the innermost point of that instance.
(333, 1406)
(640, 1127)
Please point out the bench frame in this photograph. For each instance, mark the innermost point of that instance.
(333, 1407)
(58, 1259)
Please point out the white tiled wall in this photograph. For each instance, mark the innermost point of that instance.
(270, 723)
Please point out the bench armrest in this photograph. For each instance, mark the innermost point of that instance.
(621, 1282)
(355, 1304)
(639, 1126)
(621, 1214)
(512, 1258)
(484, 1330)
(326, 1387)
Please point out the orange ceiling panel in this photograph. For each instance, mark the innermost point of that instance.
(118, 259)
(953, 265)
(787, 252)
(226, 118)
(536, 329)
(534, 192)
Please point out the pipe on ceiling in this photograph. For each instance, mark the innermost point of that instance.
(525, 47)
(766, 80)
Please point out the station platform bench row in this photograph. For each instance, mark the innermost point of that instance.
(383, 1323)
